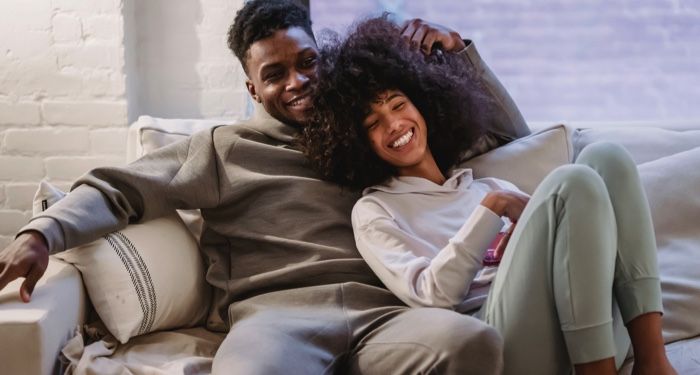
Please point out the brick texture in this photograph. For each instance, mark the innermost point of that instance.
(62, 82)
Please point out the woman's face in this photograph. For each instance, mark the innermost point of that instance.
(396, 130)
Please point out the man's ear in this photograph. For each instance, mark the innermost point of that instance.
(251, 90)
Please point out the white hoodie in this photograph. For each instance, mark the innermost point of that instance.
(426, 242)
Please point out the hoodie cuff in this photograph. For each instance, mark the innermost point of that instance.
(50, 229)
(480, 229)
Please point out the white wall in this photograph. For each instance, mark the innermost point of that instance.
(63, 108)
(75, 73)
(592, 60)
(181, 65)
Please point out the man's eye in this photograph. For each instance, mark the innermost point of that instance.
(309, 62)
(273, 76)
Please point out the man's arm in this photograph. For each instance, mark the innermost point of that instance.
(505, 122)
(179, 176)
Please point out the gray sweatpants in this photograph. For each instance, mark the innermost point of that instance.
(355, 329)
(583, 246)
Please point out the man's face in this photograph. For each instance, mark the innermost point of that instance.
(282, 72)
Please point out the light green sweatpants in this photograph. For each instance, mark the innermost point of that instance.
(583, 246)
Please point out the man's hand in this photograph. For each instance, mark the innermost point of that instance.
(419, 33)
(28, 257)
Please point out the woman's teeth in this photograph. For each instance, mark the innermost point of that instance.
(403, 140)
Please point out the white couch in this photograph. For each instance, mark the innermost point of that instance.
(32, 335)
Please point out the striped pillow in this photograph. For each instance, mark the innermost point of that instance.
(147, 277)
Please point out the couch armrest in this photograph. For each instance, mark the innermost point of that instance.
(34, 333)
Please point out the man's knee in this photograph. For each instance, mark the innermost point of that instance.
(473, 347)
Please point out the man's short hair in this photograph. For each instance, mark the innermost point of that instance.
(259, 19)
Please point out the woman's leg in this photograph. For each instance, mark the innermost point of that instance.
(552, 297)
(636, 284)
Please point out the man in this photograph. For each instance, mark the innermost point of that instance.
(290, 287)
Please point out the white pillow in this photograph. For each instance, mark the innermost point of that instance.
(147, 277)
(672, 185)
(526, 161)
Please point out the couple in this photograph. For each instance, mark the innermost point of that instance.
(291, 288)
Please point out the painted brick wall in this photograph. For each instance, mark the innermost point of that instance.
(63, 108)
(591, 60)
(75, 73)
(181, 66)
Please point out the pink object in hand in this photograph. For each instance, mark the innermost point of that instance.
(490, 259)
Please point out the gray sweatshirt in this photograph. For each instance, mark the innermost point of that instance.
(271, 224)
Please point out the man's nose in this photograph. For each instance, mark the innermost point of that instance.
(298, 80)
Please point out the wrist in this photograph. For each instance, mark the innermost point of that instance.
(35, 239)
(493, 203)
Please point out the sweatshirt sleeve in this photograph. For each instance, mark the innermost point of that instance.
(402, 264)
(506, 121)
(183, 175)
(503, 122)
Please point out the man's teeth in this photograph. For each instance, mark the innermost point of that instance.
(298, 101)
(403, 140)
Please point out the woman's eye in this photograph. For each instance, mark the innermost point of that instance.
(371, 125)
(399, 105)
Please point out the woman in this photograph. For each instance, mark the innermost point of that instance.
(394, 122)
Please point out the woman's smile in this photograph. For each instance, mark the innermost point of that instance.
(402, 140)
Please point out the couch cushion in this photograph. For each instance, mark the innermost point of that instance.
(672, 185)
(526, 161)
(644, 143)
(33, 333)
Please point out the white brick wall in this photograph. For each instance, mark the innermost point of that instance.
(74, 73)
(184, 66)
(63, 104)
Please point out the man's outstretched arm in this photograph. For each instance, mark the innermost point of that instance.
(179, 176)
(505, 122)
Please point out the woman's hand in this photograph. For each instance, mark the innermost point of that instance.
(509, 204)
(423, 34)
(506, 203)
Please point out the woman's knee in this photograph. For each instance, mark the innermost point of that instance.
(608, 159)
(578, 181)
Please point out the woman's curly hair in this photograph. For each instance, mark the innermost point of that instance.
(374, 58)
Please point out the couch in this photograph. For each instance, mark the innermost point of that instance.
(668, 154)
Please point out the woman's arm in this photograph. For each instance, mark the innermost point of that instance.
(406, 265)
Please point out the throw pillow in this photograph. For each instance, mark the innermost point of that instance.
(147, 277)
